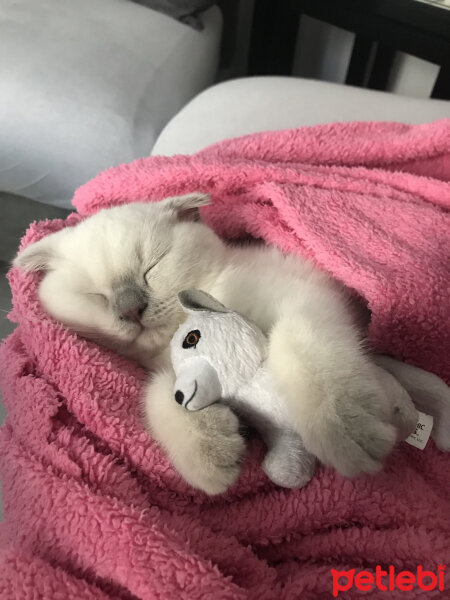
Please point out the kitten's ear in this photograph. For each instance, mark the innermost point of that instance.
(37, 256)
(197, 300)
(186, 207)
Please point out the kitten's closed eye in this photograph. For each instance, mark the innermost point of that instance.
(98, 296)
(154, 264)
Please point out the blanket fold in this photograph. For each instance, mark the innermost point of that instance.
(93, 508)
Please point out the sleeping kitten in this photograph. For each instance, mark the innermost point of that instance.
(114, 278)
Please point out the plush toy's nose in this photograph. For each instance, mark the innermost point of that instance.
(197, 384)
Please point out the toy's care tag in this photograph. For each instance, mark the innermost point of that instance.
(419, 437)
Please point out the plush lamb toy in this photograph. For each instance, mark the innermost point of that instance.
(217, 354)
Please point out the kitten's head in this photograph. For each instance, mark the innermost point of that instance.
(115, 276)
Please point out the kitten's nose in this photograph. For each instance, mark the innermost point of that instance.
(131, 303)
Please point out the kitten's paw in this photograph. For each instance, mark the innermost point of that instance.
(367, 440)
(212, 450)
(350, 437)
(205, 446)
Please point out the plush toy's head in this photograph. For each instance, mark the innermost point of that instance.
(214, 352)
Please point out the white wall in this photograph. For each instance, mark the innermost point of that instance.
(412, 76)
(323, 52)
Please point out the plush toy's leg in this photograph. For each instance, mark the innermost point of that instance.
(287, 462)
(429, 394)
(404, 415)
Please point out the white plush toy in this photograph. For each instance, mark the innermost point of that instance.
(217, 354)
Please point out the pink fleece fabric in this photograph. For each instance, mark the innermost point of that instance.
(94, 509)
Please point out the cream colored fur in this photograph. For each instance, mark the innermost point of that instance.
(316, 354)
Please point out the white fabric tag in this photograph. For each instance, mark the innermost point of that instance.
(419, 437)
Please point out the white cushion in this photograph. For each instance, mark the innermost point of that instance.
(87, 84)
(255, 104)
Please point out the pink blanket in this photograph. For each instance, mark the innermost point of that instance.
(94, 510)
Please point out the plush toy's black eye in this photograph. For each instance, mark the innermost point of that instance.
(192, 339)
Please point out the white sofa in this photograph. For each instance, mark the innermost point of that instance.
(87, 84)
(249, 105)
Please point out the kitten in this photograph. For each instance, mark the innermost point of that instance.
(114, 278)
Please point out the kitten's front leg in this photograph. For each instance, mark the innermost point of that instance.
(205, 446)
(334, 397)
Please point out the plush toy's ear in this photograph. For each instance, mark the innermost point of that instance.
(186, 207)
(197, 300)
(37, 256)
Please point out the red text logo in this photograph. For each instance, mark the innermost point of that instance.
(389, 580)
